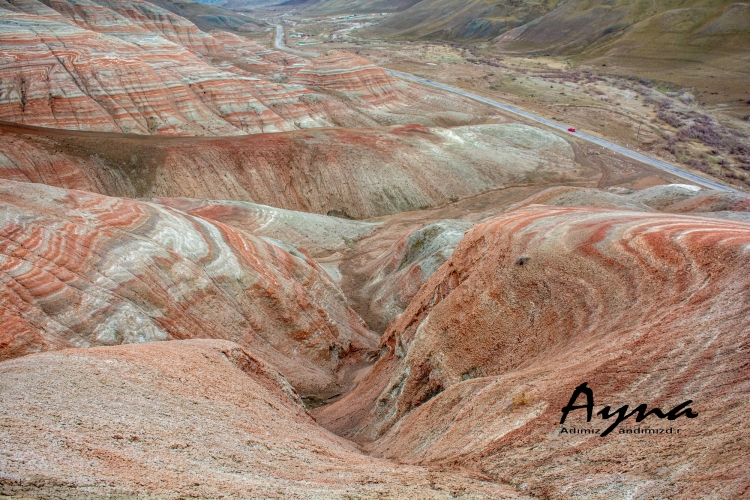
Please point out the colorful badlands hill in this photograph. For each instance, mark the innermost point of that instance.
(348, 172)
(133, 67)
(80, 270)
(187, 418)
(645, 307)
(183, 346)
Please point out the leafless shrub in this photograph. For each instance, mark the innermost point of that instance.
(701, 165)
(671, 118)
(704, 133)
(670, 145)
(717, 137)
(665, 104)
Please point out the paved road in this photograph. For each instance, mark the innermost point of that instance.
(667, 167)
(280, 44)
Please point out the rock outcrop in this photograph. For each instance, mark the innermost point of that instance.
(351, 173)
(680, 198)
(79, 269)
(566, 196)
(670, 198)
(644, 307)
(394, 278)
(190, 418)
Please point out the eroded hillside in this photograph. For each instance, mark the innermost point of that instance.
(228, 271)
(642, 306)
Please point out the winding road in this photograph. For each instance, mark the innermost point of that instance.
(666, 167)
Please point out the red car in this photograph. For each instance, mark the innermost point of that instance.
(571, 129)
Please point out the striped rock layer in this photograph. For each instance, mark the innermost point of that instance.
(353, 75)
(385, 98)
(397, 274)
(354, 173)
(80, 270)
(59, 75)
(644, 307)
(133, 67)
(320, 235)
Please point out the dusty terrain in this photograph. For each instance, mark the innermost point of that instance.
(470, 377)
(227, 271)
(185, 419)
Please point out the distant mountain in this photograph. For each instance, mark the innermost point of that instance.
(295, 3)
(444, 19)
(693, 43)
(473, 19)
(242, 5)
(647, 26)
(357, 6)
(570, 26)
(207, 16)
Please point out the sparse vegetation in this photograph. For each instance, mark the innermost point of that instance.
(521, 399)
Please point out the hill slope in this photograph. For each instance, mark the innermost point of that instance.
(79, 269)
(209, 17)
(354, 173)
(644, 307)
(454, 20)
(192, 418)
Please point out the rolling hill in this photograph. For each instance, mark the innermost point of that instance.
(209, 17)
